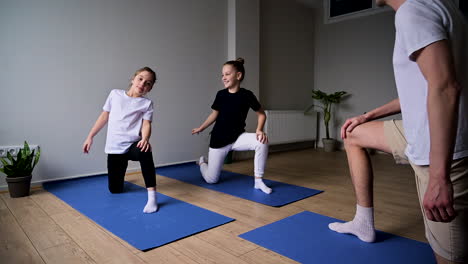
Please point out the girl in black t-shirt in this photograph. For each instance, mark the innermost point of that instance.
(230, 110)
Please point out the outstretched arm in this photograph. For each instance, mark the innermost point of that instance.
(436, 64)
(388, 109)
(210, 120)
(100, 123)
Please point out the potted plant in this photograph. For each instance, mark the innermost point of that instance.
(19, 170)
(327, 100)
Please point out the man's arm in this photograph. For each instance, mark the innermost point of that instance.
(436, 64)
(388, 109)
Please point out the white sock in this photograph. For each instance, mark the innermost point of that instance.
(259, 184)
(361, 226)
(201, 160)
(152, 204)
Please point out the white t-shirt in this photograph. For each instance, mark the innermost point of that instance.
(126, 116)
(420, 23)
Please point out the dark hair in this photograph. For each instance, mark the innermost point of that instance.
(146, 69)
(238, 64)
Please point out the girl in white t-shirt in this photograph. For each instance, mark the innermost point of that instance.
(129, 115)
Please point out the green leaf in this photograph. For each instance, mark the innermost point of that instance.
(9, 171)
(20, 154)
(327, 117)
(26, 148)
(36, 159)
(327, 100)
(24, 163)
(10, 157)
(4, 161)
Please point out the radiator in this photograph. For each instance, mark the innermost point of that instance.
(290, 126)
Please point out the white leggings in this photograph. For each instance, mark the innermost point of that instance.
(246, 141)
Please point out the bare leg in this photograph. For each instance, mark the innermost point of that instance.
(367, 135)
(362, 176)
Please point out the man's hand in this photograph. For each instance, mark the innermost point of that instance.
(438, 201)
(351, 123)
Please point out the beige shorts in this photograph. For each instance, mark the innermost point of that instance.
(448, 240)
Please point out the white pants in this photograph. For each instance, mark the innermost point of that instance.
(246, 141)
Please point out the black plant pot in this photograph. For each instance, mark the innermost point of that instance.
(19, 186)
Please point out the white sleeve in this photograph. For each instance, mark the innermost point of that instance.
(418, 26)
(148, 115)
(108, 104)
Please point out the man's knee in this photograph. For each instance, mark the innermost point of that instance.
(351, 141)
(368, 135)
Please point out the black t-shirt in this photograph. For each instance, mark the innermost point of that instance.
(233, 109)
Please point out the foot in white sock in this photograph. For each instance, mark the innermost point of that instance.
(201, 160)
(152, 204)
(361, 226)
(259, 184)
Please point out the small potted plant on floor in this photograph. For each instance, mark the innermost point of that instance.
(19, 170)
(327, 100)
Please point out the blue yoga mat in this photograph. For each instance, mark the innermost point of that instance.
(306, 238)
(239, 185)
(122, 214)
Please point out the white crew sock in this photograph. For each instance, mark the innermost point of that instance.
(259, 184)
(152, 204)
(361, 226)
(201, 160)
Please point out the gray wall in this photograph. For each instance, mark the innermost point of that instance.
(355, 56)
(286, 54)
(246, 44)
(60, 59)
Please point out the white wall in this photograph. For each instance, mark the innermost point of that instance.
(244, 42)
(286, 54)
(60, 59)
(355, 56)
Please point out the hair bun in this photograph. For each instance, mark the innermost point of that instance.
(240, 60)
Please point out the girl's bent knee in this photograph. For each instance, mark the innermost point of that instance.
(261, 145)
(211, 181)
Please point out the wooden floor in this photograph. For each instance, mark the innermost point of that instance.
(42, 229)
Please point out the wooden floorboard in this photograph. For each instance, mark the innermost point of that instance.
(15, 246)
(43, 229)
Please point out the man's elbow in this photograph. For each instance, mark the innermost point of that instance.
(453, 89)
(449, 89)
